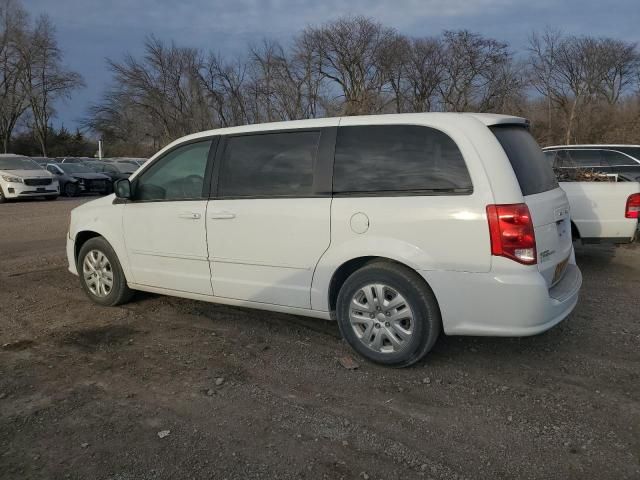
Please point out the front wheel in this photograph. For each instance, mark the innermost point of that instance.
(388, 314)
(3, 199)
(101, 275)
(70, 190)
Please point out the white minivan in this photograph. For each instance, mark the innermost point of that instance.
(397, 226)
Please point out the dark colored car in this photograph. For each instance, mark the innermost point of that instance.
(76, 178)
(43, 161)
(621, 160)
(114, 170)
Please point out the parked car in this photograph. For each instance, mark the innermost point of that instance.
(76, 178)
(21, 177)
(603, 212)
(115, 171)
(138, 162)
(42, 161)
(75, 159)
(398, 226)
(621, 160)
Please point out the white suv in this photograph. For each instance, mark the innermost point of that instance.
(398, 226)
(21, 177)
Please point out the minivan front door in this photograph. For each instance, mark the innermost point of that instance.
(268, 225)
(164, 224)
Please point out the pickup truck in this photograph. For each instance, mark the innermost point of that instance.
(603, 212)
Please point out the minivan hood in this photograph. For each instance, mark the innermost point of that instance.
(35, 173)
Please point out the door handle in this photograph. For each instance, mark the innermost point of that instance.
(190, 215)
(223, 216)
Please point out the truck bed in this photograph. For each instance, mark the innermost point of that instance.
(598, 210)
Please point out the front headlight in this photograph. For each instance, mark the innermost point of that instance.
(12, 179)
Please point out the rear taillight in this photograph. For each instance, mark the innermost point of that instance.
(511, 231)
(632, 210)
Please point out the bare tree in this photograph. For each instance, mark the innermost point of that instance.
(621, 68)
(348, 53)
(164, 87)
(424, 73)
(45, 79)
(474, 71)
(13, 95)
(224, 84)
(575, 73)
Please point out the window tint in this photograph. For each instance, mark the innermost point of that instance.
(563, 160)
(633, 151)
(379, 158)
(270, 164)
(179, 175)
(585, 158)
(532, 170)
(617, 159)
(551, 158)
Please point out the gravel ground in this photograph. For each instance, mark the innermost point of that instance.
(87, 392)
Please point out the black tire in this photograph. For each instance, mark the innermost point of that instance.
(419, 297)
(70, 190)
(3, 199)
(120, 292)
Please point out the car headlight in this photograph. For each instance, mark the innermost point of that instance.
(12, 179)
(81, 181)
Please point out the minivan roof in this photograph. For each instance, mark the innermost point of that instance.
(488, 119)
(592, 145)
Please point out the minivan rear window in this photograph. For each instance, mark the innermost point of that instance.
(532, 170)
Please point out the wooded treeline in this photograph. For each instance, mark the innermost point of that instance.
(573, 89)
(32, 76)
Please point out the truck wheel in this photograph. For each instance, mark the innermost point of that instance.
(101, 275)
(388, 314)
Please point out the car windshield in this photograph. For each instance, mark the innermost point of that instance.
(75, 168)
(18, 163)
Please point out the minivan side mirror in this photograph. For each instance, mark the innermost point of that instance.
(122, 188)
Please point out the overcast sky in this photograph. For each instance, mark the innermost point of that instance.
(91, 30)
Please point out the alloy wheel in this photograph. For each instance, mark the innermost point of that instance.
(381, 318)
(97, 273)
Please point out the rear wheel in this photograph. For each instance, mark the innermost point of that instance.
(101, 275)
(2, 197)
(388, 314)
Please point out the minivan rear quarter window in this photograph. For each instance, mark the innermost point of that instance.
(398, 158)
(532, 170)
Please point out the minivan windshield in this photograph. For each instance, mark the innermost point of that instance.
(18, 163)
(532, 169)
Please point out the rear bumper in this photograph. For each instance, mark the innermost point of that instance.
(20, 190)
(507, 305)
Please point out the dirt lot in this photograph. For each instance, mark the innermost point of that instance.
(84, 390)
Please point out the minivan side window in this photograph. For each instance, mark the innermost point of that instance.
(398, 158)
(269, 164)
(179, 175)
